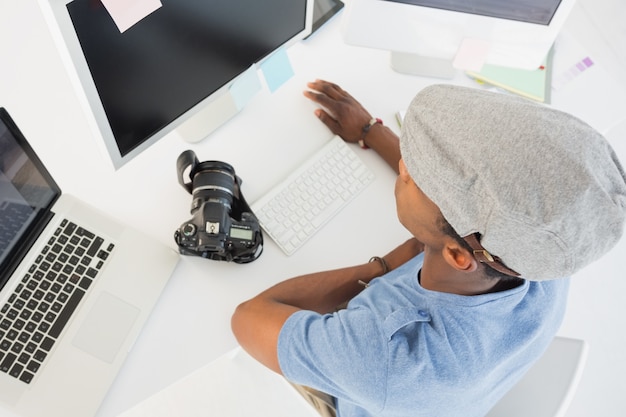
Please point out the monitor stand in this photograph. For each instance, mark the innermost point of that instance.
(210, 117)
(425, 66)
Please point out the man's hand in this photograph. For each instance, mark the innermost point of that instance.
(343, 115)
(346, 118)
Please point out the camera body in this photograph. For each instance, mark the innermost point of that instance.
(222, 226)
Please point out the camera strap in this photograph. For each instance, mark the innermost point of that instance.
(187, 159)
(254, 253)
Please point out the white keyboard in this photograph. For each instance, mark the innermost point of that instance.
(292, 211)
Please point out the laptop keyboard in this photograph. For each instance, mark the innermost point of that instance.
(35, 314)
(292, 211)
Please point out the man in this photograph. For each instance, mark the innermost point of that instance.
(505, 199)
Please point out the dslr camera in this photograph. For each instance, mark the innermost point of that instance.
(222, 226)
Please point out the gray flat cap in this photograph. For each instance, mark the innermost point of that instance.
(545, 191)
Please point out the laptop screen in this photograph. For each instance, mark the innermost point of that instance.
(26, 194)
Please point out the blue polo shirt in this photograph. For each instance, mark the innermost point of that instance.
(401, 350)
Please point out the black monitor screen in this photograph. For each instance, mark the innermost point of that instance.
(152, 73)
(530, 11)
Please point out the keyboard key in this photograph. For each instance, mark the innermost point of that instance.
(16, 370)
(17, 348)
(5, 345)
(85, 282)
(93, 249)
(40, 355)
(84, 232)
(7, 362)
(69, 229)
(33, 366)
(66, 313)
(26, 377)
(46, 345)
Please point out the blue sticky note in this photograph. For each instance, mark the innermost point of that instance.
(277, 69)
(245, 87)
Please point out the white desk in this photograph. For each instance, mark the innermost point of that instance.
(191, 325)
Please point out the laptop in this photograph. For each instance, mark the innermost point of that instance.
(76, 288)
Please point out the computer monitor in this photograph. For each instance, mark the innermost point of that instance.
(427, 36)
(170, 70)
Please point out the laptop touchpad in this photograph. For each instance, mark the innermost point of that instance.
(106, 327)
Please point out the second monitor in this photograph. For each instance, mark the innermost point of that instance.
(426, 36)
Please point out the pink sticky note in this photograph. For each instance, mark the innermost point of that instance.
(471, 55)
(126, 13)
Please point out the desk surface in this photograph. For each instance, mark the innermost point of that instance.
(191, 324)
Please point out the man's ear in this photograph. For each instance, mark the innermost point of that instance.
(458, 257)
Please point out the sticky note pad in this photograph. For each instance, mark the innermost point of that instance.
(532, 84)
(471, 55)
(245, 87)
(126, 13)
(277, 69)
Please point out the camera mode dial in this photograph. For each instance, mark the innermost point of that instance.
(189, 229)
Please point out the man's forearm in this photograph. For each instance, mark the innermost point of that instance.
(256, 323)
(323, 291)
(386, 143)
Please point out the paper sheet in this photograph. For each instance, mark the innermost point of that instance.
(576, 74)
(126, 13)
(234, 385)
(471, 55)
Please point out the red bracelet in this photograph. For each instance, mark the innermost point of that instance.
(366, 130)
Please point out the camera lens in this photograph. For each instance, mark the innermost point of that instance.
(213, 182)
